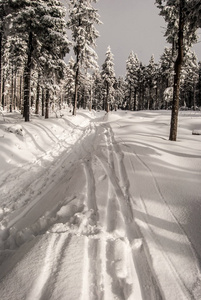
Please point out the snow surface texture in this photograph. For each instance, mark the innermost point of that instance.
(100, 207)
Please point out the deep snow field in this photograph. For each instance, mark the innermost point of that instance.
(100, 207)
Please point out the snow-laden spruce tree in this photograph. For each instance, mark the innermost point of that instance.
(11, 48)
(70, 81)
(136, 67)
(82, 19)
(108, 77)
(151, 81)
(120, 87)
(129, 78)
(142, 86)
(41, 26)
(189, 79)
(183, 18)
(54, 46)
(132, 79)
(166, 74)
(198, 95)
(166, 64)
(4, 12)
(13, 65)
(2, 15)
(97, 101)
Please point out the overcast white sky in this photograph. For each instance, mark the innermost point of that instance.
(131, 25)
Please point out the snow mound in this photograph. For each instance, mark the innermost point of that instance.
(196, 132)
(72, 218)
(17, 129)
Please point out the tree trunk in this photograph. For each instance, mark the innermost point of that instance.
(75, 94)
(3, 92)
(20, 100)
(76, 85)
(107, 108)
(37, 96)
(149, 98)
(90, 101)
(43, 102)
(47, 102)
(194, 95)
(15, 90)
(130, 98)
(1, 99)
(27, 79)
(156, 105)
(177, 75)
(135, 99)
(12, 91)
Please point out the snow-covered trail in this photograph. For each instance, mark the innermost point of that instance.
(104, 225)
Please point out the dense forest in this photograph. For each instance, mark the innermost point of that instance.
(35, 76)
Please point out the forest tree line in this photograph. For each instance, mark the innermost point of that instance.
(34, 74)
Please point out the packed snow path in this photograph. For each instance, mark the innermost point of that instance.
(110, 218)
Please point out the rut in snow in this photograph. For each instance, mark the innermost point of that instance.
(115, 253)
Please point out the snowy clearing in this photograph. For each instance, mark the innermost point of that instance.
(100, 207)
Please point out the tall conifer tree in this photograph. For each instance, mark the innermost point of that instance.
(183, 19)
(108, 76)
(41, 25)
(82, 18)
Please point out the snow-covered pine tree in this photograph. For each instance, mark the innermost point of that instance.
(13, 66)
(142, 86)
(120, 88)
(84, 92)
(108, 77)
(82, 19)
(166, 71)
(41, 24)
(189, 78)
(4, 11)
(70, 81)
(38, 88)
(166, 64)
(132, 79)
(54, 46)
(198, 95)
(129, 78)
(151, 81)
(136, 67)
(97, 99)
(183, 19)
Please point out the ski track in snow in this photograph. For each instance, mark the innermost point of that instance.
(100, 240)
(181, 284)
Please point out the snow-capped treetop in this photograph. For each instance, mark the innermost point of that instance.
(167, 66)
(166, 60)
(108, 73)
(151, 72)
(132, 70)
(108, 77)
